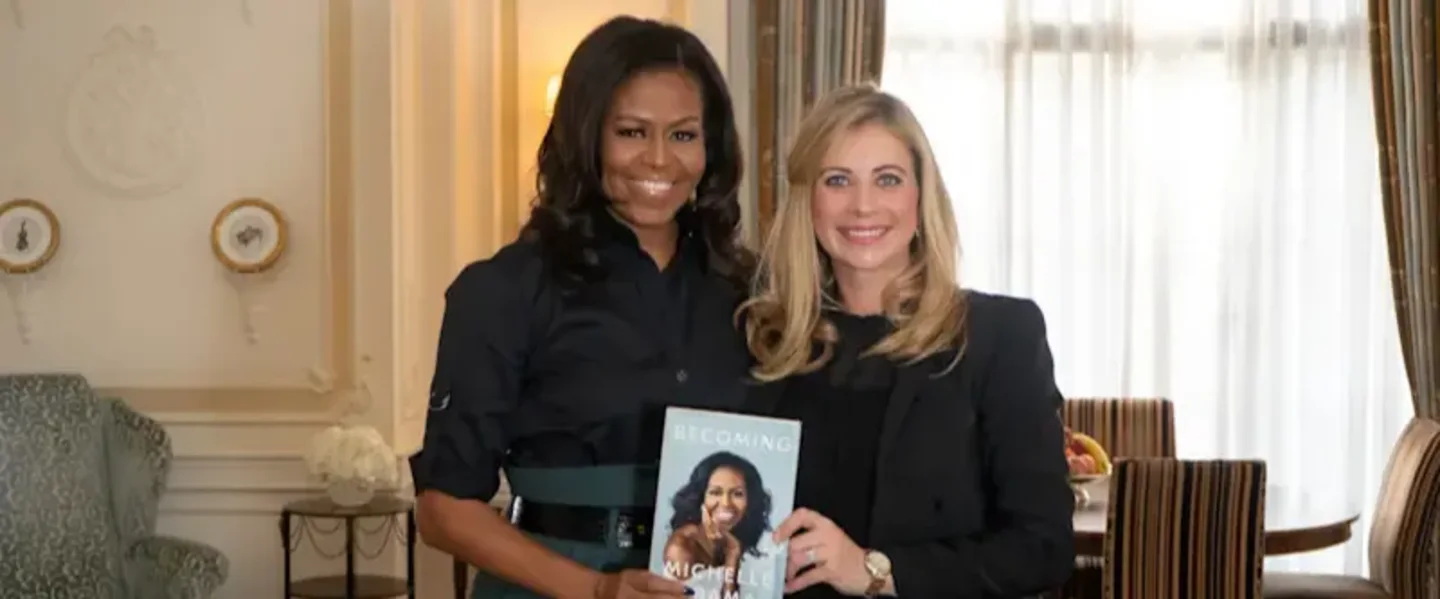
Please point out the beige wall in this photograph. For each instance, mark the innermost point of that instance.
(398, 137)
(136, 122)
(136, 205)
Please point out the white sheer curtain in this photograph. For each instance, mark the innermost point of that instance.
(1189, 190)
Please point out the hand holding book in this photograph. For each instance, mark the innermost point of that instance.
(821, 553)
(637, 584)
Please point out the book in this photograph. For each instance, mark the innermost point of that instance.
(725, 482)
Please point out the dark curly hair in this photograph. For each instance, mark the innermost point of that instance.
(690, 499)
(569, 193)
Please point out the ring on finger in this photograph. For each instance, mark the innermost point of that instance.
(810, 556)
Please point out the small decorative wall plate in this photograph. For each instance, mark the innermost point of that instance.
(29, 236)
(249, 236)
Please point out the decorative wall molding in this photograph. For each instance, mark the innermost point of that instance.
(250, 481)
(245, 474)
(341, 355)
(262, 406)
(453, 75)
(338, 363)
(228, 503)
(227, 441)
(134, 123)
(254, 483)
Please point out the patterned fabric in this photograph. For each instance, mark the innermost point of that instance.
(1405, 517)
(139, 472)
(1405, 66)
(1128, 427)
(1185, 529)
(1409, 509)
(57, 536)
(171, 568)
(80, 483)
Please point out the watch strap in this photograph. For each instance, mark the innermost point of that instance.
(877, 579)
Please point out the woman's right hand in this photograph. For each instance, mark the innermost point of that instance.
(732, 548)
(638, 584)
(721, 535)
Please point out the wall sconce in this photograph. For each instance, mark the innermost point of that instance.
(552, 89)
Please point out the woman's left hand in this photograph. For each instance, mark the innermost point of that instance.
(837, 560)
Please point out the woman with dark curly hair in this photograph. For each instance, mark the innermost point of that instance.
(558, 355)
(719, 516)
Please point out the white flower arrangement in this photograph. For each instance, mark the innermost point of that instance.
(352, 454)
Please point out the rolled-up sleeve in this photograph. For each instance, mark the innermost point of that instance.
(1029, 546)
(484, 338)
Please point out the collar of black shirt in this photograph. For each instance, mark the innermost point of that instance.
(619, 244)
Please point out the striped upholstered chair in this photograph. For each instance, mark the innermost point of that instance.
(1406, 517)
(1185, 529)
(1127, 427)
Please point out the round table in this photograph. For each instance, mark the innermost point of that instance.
(298, 520)
(1292, 524)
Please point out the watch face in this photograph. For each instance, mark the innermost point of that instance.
(878, 564)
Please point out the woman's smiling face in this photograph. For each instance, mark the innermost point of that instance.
(725, 498)
(652, 150)
(866, 202)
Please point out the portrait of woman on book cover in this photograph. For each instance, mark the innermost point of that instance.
(721, 513)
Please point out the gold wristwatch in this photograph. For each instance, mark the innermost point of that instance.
(878, 566)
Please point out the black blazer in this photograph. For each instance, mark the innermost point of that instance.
(972, 496)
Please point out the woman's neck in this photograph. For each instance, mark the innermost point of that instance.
(658, 242)
(862, 292)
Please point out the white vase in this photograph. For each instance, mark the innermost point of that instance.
(350, 492)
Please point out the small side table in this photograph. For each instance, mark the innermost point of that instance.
(386, 509)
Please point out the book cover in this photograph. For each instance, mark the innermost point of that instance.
(725, 482)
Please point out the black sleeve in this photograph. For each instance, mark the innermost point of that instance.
(484, 338)
(1029, 542)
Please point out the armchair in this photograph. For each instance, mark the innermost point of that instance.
(80, 485)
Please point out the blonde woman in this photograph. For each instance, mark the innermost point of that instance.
(931, 462)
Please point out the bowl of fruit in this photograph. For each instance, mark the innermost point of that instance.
(1088, 461)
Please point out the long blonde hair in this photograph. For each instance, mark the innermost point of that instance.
(783, 319)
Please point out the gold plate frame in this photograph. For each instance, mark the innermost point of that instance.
(266, 262)
(46, 254)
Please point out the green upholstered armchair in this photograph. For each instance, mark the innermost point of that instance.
(80, 484)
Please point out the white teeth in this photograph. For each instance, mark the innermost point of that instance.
(870, 233)
(655, 187)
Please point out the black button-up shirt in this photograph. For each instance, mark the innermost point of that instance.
(530, 375)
